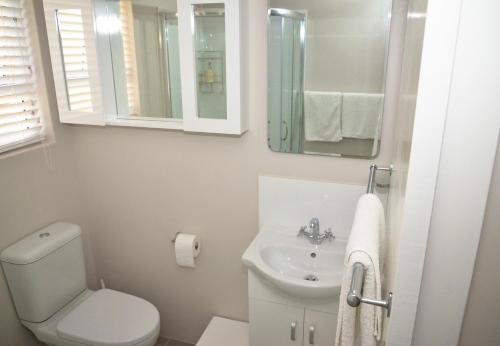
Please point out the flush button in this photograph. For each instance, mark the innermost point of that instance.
(44, 235)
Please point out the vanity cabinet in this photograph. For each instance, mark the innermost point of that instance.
(284, 325)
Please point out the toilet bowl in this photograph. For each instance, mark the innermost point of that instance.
(46, 278)
(104, 317)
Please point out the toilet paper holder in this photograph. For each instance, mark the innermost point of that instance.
(175, 237)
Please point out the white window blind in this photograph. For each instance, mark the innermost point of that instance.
(128, 38)
(74, 59)
(20, 118)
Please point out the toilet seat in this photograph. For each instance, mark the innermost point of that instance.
(110, 318)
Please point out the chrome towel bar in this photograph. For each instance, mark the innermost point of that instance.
(373, 172)
(355, 295)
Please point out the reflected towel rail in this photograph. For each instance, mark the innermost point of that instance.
(355, 295)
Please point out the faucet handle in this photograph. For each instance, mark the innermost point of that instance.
(302, 230)
(329, 234)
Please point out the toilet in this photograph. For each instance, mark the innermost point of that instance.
(45, 273)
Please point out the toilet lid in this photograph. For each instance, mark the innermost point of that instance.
(110, 317)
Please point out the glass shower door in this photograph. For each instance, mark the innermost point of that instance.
(285, 85)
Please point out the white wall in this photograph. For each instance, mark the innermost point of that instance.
(480, 324)
(38, 187)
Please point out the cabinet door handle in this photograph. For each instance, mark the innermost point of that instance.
(293, 328)
(311, 334)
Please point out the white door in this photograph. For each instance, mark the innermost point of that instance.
(445, 148)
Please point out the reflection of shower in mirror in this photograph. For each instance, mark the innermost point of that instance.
(145, 53)
(326, 76)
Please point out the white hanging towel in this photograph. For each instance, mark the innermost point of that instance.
(322, 113)
(361, 115)
(362, 326)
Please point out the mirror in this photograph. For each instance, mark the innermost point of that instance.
(326, 75)
(71, 35)
(145, 52)
(210, 52)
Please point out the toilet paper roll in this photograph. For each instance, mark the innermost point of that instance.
(187, 248)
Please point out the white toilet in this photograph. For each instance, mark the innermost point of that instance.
(46, 277)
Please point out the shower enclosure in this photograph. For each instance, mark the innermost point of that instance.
(157, 64)
(286, 44)
(326, 76)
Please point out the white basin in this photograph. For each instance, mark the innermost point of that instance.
(295, 265)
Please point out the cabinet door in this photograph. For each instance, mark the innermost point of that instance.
(274, 324)
(319, 328)
(213, 65)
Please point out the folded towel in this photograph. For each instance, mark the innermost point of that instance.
(322, 116)
(363, 325)
(361, 115)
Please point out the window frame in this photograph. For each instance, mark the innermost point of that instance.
(47, 136)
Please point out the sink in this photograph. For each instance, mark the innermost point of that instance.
(294, 264)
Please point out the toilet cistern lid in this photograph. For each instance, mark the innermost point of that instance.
(110, 317)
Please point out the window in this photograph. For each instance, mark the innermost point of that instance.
(20, 117)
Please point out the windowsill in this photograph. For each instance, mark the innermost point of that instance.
(37, 144)
(155, 123)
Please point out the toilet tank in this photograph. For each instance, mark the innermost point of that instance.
(45, 270)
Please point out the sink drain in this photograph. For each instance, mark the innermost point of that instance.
(311, 277)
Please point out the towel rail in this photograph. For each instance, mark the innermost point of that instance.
(373, 172)
(355, 295)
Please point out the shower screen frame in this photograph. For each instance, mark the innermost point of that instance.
(290, 125)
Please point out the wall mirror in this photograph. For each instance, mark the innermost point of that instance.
(326, 75)
(144, 43)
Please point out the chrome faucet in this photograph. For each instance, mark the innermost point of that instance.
(315, 237)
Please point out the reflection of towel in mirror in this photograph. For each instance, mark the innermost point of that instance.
(361, 115)
(322, 116)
